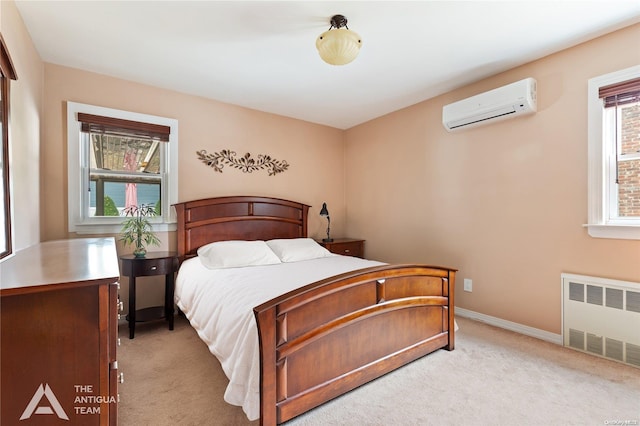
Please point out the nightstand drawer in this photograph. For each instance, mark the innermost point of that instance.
(154, 267)
(345, 247)
(349, 249)
(149, 266)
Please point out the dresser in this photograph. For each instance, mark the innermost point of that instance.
(58, 318)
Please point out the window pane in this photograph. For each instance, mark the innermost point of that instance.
(630, 137)
(4, 208)
(124, 172)
(629, 161)
(115, 197)
(629, 188)
(124, 154)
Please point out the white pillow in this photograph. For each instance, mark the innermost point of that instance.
(296, 249)
(235, 254)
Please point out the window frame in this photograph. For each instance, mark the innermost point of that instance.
(7, 73)
(78, 169)
(599, 188)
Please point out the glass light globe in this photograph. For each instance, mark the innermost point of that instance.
(338, 46)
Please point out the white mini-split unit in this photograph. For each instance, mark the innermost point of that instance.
(512, 100)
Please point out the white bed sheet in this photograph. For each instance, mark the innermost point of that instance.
(219, 304)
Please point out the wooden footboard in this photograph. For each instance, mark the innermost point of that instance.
(329, 337)
(332, 336)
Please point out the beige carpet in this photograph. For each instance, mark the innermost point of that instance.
(494, 377)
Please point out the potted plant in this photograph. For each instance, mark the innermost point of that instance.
(137, 230)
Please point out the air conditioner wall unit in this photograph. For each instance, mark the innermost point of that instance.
(508, 101)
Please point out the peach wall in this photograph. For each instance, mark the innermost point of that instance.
(315, 153)
(25, 119)
(503, 203)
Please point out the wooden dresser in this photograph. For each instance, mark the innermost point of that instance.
(58, 319)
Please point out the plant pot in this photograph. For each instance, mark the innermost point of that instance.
(139, 252)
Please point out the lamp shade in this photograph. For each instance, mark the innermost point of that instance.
(338, 46)
(323, 211)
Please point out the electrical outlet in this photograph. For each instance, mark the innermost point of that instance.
(468, 285)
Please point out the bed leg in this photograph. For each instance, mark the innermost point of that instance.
(267, 342)
(450, 311)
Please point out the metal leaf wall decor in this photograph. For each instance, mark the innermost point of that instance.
(246, 163)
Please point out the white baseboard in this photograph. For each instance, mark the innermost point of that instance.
(512, 326)
(488, 319)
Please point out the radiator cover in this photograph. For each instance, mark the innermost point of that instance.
(601, 316)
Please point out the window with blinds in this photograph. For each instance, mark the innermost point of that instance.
(614, 154)
(124, 160)
(621, 134)
(125, 168)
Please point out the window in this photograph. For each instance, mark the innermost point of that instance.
(7, 72)
(117, 159)
(614, 155)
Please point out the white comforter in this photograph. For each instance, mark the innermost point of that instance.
(219, 304)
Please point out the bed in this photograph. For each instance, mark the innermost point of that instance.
(329, 325)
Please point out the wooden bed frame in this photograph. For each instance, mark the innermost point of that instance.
(329, 337)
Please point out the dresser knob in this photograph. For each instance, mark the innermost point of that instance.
(153, 268)
(346, 250)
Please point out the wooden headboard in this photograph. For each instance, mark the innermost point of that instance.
(237, 218)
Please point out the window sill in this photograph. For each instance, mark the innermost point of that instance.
(111, 229)
(621, 232)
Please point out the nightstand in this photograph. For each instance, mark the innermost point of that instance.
(154, 263)
(345, 246)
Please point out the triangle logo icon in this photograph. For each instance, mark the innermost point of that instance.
(53, 407)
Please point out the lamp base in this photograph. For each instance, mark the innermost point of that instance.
(327, 240)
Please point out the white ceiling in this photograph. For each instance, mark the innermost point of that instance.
(262, 55)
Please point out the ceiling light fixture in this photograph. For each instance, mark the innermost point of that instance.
(338, 46)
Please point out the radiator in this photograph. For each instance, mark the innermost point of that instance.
(601, 316)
